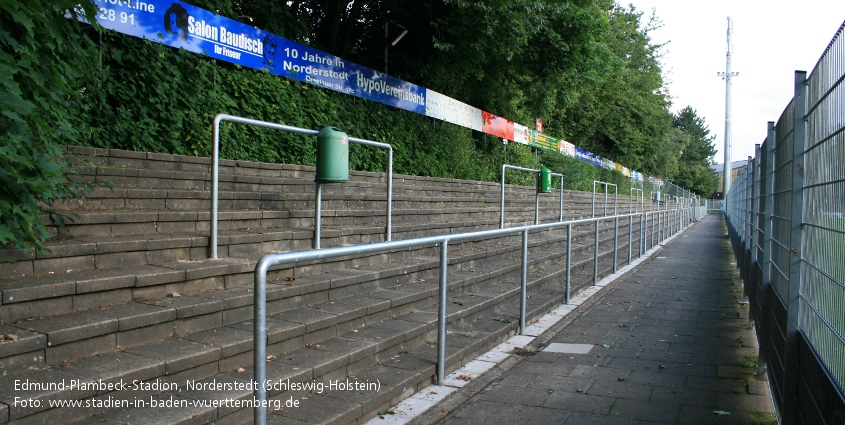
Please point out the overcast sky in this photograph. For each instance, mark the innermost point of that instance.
(771, 40)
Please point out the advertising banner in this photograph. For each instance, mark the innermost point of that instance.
(445, 108)
(582, 155)
(182, 25)
(496, 126)
(543, 141)
(567, 148)
(521, 133)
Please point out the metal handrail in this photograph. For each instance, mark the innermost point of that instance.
(215, 175)
(638, 195)
(536, 200)
(270, 260)
(606, 190)
(319, 193)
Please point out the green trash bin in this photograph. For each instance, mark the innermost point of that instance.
(332, 156)
(544, 182)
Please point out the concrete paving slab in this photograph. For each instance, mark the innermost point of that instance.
(493, 357)
(557, 347)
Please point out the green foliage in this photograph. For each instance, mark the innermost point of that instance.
(698, 150)
(623, 114)
(520, 59)
(42, 53)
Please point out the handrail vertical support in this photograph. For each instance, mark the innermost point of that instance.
(318, 200)
(215, 186)
(615, 242)
(596, 257)
(561, 196)
(260, 342)
(389, 194)
(523, 294)
(441, 317)
(568, 261)
(630, 237)
(502, 209)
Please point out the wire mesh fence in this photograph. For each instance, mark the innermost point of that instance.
(786, 221)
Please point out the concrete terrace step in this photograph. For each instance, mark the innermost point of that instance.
(296, 336)
(190, 317)
(166, 222)
(103, 272)
(337, 197)
(80, 253)
(138, 176)
(118, 325)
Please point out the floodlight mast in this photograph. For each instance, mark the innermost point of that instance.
(727, 76)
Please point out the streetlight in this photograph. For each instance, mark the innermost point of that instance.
(392, 43)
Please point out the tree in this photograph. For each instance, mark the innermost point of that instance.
(694, 170)
(42, 51)
(623, 114)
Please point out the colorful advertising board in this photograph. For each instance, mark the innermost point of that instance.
(567, 148)
(521, 134)
(543, 141)
(450, 110)
(496, 126)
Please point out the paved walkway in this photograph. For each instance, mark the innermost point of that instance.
(669, 343)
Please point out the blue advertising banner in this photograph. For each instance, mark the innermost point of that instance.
(182, 25)
(588, 156)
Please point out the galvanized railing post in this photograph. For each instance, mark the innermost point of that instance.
(502, 208)
(630, 238)
(215, 178)
(596, 257)
(318, 214)
(537, 206)
(615, 199)
(615, 242)
(659, 228)
(568, 260)
(561, 195)
(441, 317)
(523, 286)
(643, 233)
(259, 340)
(390, 194)
(654, 232)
